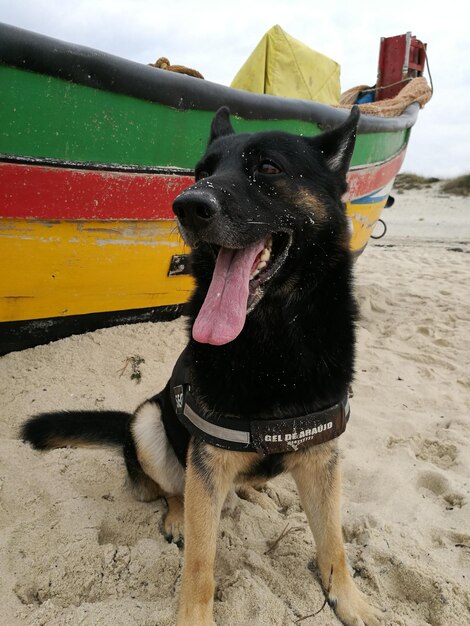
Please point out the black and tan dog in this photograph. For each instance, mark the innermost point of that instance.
(262, 386)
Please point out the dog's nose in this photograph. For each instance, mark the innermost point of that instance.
(196, 208)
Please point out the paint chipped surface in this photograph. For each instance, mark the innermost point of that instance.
(43, 192)
(77, 267)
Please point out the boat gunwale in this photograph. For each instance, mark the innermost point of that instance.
(41, 54)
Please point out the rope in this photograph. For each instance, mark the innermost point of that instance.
(399, 82)
(164, 64)
(429, 71)
(415, 90)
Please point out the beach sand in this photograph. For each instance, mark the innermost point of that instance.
(76, 548)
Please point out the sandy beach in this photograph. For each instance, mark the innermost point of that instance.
(76, 548)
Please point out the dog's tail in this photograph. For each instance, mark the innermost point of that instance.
(76, 428)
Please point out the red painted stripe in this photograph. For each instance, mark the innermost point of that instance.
(364, 181)
(53, 193)
(33, 191)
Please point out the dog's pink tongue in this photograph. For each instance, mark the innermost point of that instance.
(222, 315)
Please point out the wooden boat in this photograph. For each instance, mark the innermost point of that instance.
(93, 150)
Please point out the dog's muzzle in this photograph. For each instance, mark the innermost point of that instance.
(196, 210)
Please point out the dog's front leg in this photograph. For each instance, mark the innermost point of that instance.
(208, 480)
(317, 475)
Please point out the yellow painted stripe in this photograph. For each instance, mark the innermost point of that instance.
(364, 217)
(52, 269)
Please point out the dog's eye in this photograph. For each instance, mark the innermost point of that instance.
(267, 167)
(202, 174)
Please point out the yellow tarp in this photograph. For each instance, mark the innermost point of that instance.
(284, 66)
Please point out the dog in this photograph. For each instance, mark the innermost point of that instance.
(262, 386)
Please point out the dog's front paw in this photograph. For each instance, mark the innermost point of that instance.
(351, 605)
(261, 499)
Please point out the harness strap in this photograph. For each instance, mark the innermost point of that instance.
(262, 436)
(265, 436)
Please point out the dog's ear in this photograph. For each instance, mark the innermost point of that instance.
(337, 145)
(221, 124)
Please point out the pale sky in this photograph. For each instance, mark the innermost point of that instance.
(216, 37)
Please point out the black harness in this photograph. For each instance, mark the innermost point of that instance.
(262, 436)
